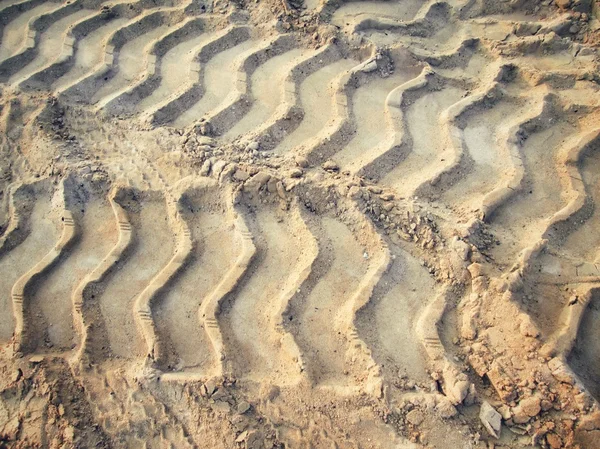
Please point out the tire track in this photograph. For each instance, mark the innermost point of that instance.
(36, 230)
(150, 250)
(257, 347)
(51, 307)
(183, 343)
(336, 275)
(219, 79)
(316, 103)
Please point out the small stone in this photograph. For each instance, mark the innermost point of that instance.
(243, 407)
(554, 441)
(491, 419)
(205, 169)
(16, 376)
(241, 175)
(36, 359)
(531, 406)
(330, 166)
(301, 162)
(527, 327)
(296, 173)
(210, 387)
(415, 417)
(574, 29)
(563, 4)
(242, 437)
(252, 146)
(353, 192)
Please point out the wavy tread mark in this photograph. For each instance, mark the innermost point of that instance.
(171, 75)
(265, 98)
(192, 91)
(90, 53)
(144, 302)
(50, 45)
(150, 251)
(210, 309)
(132, 61)
(219, 78)
(585, 356)
(85, 305)
(252, 321)
(43, 77)
(348, 12)
(317, 103)
(313, 316)
(12, 9)
(52, 303)
(30, 235)
(368, 103)
(126, 101)
(387, 323)
(584, 243)
(16, 31)
(239, 100)
(340, 126)
(394, 148)
(87, 86)
(39, 28)
(454, 158)
(432, 17)
(25, 336)
(289, 113)
(422, 118)
(526, 217)
(486, 162)
(183, 345)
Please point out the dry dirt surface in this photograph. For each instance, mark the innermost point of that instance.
(312, 224)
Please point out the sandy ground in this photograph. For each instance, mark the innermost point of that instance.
(286, 224)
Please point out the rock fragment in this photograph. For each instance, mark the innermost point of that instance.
(491, 419)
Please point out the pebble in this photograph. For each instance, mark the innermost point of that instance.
(330, 166)
(531, 406)
(491, 419)
(415, 417)
(296, 173)
(301, 162)
(243, 407)
(241, 175)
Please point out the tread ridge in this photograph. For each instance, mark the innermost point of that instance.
(342, 125)
(288, 341)
(394, 150)
(513, 181)
(81, 89)
(240, 100)
(35, 27)
(19, 293)
(143, 303)
(453, 130)
(44, 77)
(125, 237)
(432, 16)
(289, 113)
(169, 109)
(569, 162)
(378, 266)
(127, 101)
(210, 307)
(149, 80)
